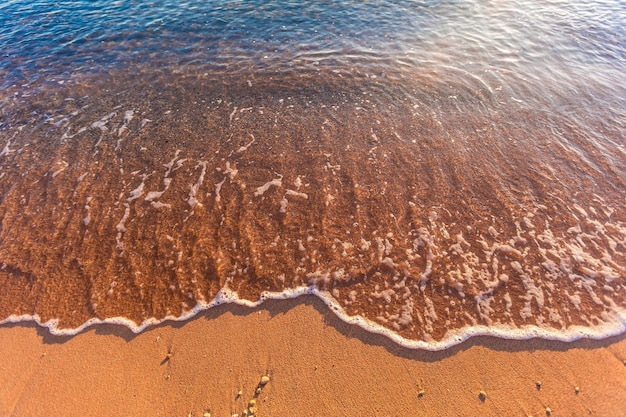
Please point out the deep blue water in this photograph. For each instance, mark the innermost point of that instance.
(547, 42)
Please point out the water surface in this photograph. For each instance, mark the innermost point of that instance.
(432, 170)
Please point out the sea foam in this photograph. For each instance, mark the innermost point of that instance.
(615, 324)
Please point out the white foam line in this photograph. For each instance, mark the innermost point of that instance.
(62, 122)
(298, 183)
(136, 193)
(62, 167)
(194, 188)
(87, 218)
(277, 182)
(170, 164)
(231, 172)
(159, 205)
(226, 296)
(98, 143)
(128, 116)
(283, 205)
(101, 124)
(121, 228)
(245, 148)
(297, 194)
(6, 150)
(67, 135)
(155, 195)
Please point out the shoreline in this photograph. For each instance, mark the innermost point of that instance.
(317, 364)
(226, 297)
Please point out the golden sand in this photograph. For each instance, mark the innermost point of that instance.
(316, 364)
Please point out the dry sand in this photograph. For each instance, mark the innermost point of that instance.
(318, 365)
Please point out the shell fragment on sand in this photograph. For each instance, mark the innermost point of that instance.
(482, 395)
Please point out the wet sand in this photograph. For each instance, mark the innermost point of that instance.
(317, 365)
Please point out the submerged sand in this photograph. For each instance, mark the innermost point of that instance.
(317, 364)
(422, 206)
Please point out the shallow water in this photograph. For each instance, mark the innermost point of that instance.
(433, 170)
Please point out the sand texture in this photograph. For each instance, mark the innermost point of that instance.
(317, 365)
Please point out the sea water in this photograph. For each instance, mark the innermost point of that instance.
(432, 170)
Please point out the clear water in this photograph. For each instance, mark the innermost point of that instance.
(432, 170)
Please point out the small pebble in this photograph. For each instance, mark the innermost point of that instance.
(258, 391)
(421, 393)
(577, 390)
(482, 395)
(538, 384)
(548, 411)
(252, 403)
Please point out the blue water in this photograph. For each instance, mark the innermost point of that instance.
(94, 35)
(551, 41)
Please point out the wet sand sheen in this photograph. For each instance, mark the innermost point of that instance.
(317, 365)
(428, 209)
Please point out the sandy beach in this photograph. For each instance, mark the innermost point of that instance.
(317, 365)
(376, 178)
